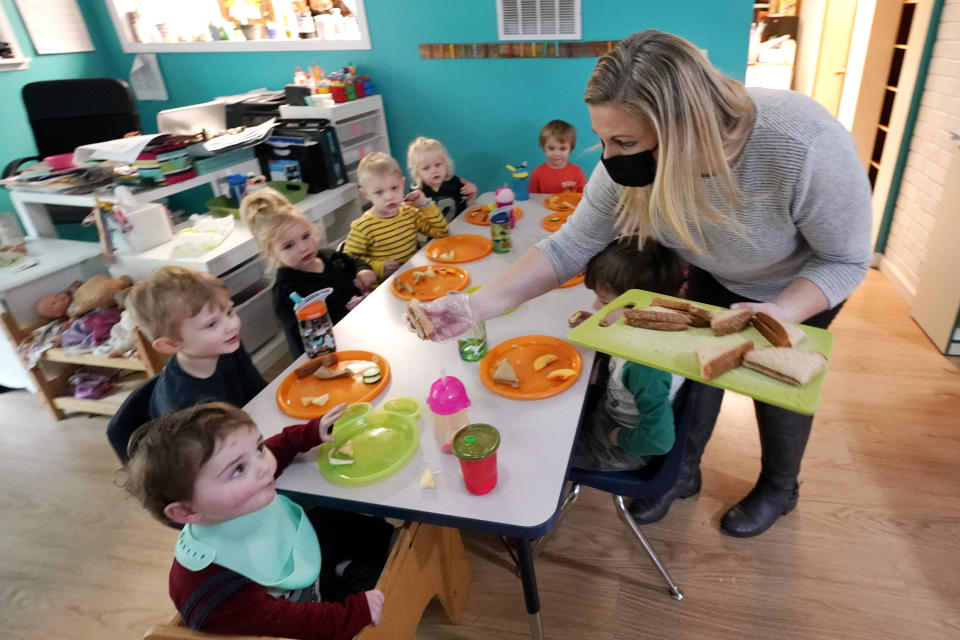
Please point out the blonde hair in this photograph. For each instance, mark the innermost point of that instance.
(415, 152)
(170, 295)
(694, 109)
(377, 165)
(268, 214)
(561, 130)
(167, 454)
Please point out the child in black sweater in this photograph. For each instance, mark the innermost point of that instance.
(292, 243)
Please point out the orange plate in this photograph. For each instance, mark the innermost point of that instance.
(432, 288)
(523, 351)
(566, 201)
(572, 282)
(553, 225)
(352, 389)
(480, 215)
(466, 247)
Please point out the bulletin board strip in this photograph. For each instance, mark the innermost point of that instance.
(460, 50)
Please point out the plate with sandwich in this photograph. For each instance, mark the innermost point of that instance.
(531, 367)
(779, 363)
(464, 247)
(480, 214)
(430, 282)
(565, 202)
(310, 390)
(368, 448)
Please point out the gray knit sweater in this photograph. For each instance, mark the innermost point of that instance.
(807, 212)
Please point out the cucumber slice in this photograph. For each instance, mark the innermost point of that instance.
(370, 372)
(372, 379)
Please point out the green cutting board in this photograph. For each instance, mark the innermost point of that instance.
(673, 351)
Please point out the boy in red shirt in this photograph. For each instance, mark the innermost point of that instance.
(249, 561)
(557, 174)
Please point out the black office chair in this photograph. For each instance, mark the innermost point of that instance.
(65, 114)
(651, 481)
(132, 413)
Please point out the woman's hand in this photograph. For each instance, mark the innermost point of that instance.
(325, 422)
(417, 198)
(365, 280)
(450, 315)
(375, 600)
(468, 190)
(770, 308)
(798, 302)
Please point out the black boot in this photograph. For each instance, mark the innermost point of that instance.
(759, 510)
(647, 510)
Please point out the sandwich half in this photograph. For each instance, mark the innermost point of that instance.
(421, 323)
(506, 374)
(715, 360)
(657, 318)
(780, 334)
(788, 364)
(729, 321)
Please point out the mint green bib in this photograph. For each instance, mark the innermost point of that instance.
(275, 546)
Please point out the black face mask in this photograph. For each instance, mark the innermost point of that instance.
(634, 170)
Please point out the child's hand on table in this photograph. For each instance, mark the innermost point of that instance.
(354, 301)
(468, 190)
(365, 280)
(389, 267)
(577, 318)
(375, 600)
(325, 422)
(417, 198)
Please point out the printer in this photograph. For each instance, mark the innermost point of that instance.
(304, 149)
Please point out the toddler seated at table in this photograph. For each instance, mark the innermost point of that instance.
(557, 174)
(634, 418)
(386, 236)
(248, 560)
(431, 170)
(291, 243)
(189, 314)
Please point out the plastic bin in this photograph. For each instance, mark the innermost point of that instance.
(258, 323)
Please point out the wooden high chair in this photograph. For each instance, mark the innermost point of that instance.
(426, 562)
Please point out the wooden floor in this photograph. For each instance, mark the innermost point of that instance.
(872, 550)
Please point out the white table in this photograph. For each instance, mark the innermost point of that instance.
(536, 436)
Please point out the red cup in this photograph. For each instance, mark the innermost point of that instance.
(476, 447)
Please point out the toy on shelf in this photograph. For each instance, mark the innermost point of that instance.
(335, 87)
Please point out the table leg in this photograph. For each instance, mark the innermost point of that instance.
(530, 593)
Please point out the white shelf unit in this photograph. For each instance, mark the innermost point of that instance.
(18, 62)
(361, 127)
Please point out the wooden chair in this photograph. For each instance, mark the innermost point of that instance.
(54, 390)
(426, 562)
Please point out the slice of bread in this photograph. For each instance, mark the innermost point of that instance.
(421, 323)
(324, 372)
(670, 303)
(780, 334)
(729, 321)
(506, 374)
(785, 363)
(657, 318)
(715, 360)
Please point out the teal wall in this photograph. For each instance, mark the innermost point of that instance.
(17, 140)
(487, 112)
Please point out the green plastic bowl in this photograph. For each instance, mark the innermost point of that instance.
(383, 443)
(405, 406)
(351, 413)
(223, 206)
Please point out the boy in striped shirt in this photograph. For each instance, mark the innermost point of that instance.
(386, 236)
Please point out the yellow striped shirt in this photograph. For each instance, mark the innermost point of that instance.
(376, 240)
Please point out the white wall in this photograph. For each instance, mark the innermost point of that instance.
(930, 152)
(855, 61)
(809, 29)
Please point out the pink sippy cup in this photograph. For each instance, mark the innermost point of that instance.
(504, 198)
(449, 402)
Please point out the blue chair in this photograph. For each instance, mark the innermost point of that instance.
(651, 481)
(132, 413)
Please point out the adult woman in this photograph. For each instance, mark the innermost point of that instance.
(759, 190)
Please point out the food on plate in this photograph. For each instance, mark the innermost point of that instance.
(449, 255)
(427, 480)
(786, 363)
(555, 219)
(418, 276)
(730, 321)
(421, 323)
(327, 359)
(506, 374)
(318, 401)
(371, 375)
(429, 272)
(657, 318)
(544, 360)
(326, 373)
(403, 286)
(717, 359)
(336, 460)
(561, 374)
(780, 334)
